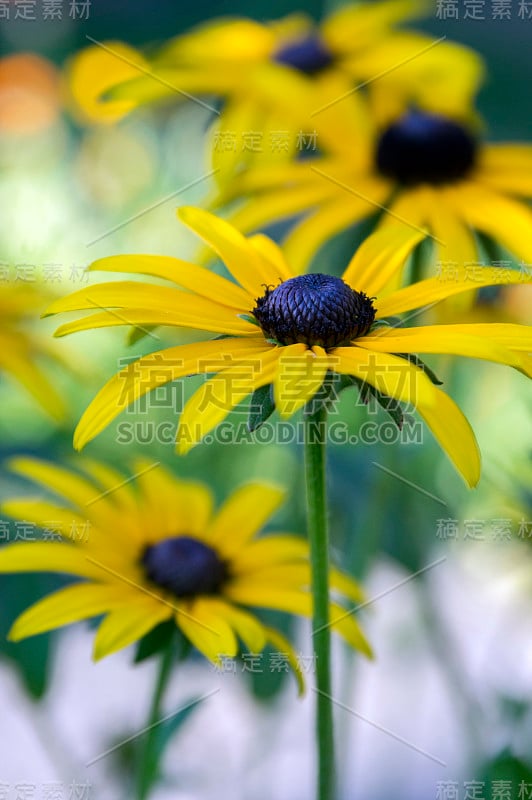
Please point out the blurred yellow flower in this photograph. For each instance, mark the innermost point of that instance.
(291, 330)
(21, 348)
(96, 69)
(268, 73)
(150, 548)
(424, 169)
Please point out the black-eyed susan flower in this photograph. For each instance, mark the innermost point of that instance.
(422, 168)
(267, 72)
(21, 349)
(153, 548)
(277, 327)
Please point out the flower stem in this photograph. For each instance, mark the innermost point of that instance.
(149, 756)
(315, 441)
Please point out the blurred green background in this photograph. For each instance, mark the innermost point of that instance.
(452, 675)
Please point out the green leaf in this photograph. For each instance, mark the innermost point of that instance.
(419, 363)
(155, 641)
(31, 657)
(261, 407)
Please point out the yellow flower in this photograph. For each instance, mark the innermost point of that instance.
(423, 169)
(290, 330)
(277, 65)
(151, 548)
(20, 348)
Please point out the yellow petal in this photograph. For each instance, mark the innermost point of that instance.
(153, 370)
(196, 279)
(181, 506)
(300, 374)
(249, 592)
(95, 70)
(75, 603)
(271, 251)
(251, 271)
(393, 376)
(64, 482)
(48, 557)
(367, 20)
(506, 168)
(145, 319)
(448, 283)
(213, 401)
(346, 585)
(189, 310)
(506, 220)
(21, 365)
(347, 626)
(246, 626)
(207, 629)
(380, 257)
(308, 236)
(285, 201)
(124, 626)
(455, 435)
(268, 551)
(242, 515)
(473, 341)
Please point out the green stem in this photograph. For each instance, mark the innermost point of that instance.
(148, 764)
(315, 440)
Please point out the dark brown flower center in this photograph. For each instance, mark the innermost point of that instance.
(184, 566)
(309, 54)
(425, 148)
(314, 309)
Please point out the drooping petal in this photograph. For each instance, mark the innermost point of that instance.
(300, 375)
(207, 629)
(506, 220)
(20, 364)
(75, 603)
(246, 625)
(157, 369)
(442, 415)
(455, 435)
(124, 626)
(213, 401)
(393, 376)
(242, 515)
(283, 646)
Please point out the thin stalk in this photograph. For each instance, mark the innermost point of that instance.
(149, 756)
(315, 443)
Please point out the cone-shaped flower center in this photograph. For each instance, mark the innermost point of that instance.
(309, 55)
(425, 148)
(315, 310)
(184, 566)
